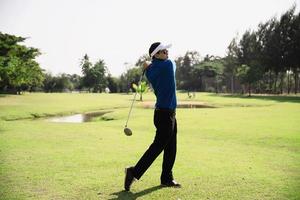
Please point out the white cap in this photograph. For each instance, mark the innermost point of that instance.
(160, 47)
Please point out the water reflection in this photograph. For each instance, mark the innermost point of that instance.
(77, 118)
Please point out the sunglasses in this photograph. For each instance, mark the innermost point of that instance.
(165, 51)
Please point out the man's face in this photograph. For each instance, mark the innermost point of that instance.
(162, 54)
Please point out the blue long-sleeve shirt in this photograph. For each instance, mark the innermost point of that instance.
(161, 75)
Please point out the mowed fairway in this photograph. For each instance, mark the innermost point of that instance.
(245, 148)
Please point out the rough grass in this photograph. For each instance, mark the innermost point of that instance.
(247, 148)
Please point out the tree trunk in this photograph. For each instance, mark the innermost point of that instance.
(296, 78)
(203, 83)
(141, 96)
(275, 82)
(288, 83)
(270, 82)
(281, 83)
(217, 85)
(232, 88)
(249, 90)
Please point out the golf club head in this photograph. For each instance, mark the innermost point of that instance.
(127, 131)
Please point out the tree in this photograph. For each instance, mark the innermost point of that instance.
(113, 84)
(123, 83)
(184, 73)
(210, 71)
(268, 40)
(285, 28)
(18, 69)
(141, 88)
(65, 82)
(49, 83)
(231, 62)
(94, 76)
(250, 70)
(294, 51)
(98, 76)
(76, 81)
(86, 66)
(60, 83)
(248, 75)
(132, 76)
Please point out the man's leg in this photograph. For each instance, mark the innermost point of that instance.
(169, 156)
(163, 123)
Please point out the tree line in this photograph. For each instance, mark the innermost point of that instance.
(265, 60)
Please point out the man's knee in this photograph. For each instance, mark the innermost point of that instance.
(162, 141)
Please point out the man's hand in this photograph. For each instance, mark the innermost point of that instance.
(146, 65)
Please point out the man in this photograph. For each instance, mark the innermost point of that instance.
(161, 74)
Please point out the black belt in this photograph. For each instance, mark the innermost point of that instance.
(165, 110)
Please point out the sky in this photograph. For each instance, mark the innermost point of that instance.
(119, 31)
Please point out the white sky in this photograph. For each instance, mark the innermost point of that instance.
(120, 31)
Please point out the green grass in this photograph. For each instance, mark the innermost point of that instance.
(246, 148)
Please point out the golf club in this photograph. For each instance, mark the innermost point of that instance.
(127, 130)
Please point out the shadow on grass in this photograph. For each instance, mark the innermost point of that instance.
(124, 195)
(3, 95)
(290, 99)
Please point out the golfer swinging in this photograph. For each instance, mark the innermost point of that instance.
(161, 74)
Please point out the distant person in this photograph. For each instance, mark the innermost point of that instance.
(161, 74)
(107, 90)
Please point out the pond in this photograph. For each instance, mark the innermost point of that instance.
(77, 118)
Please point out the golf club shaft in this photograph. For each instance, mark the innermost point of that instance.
(134, 98)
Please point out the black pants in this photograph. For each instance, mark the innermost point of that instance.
(165, 140)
